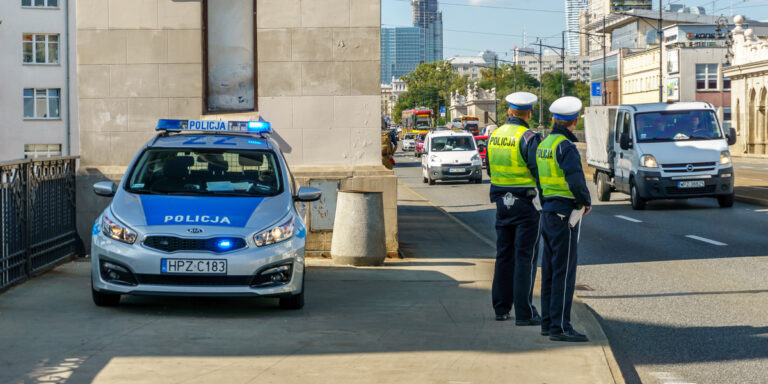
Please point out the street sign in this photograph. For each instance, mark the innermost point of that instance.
(596, 96)
(442, 111)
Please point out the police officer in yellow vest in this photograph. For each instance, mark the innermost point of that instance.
(565, 199)
(512, 168)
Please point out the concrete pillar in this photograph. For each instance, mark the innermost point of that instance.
(358, 232)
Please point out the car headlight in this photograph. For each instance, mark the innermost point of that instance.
(434, 159)
(475, 158)
(115, 230)
(276, 234)
(648, 161)
(725, 158)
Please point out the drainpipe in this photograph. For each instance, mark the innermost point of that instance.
(68, 123)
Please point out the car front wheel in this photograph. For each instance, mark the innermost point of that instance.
(103, 299)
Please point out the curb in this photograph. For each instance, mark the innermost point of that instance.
(752, 200)
(583, 309)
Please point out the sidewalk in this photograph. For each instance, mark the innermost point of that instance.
(423, 319)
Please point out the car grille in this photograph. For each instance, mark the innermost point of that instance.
(687, 191)
(683, 167)
(173, 244)
(204, 280)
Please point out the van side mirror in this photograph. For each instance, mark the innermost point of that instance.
(624, 141)
(731, 136)
(105, 188)
(308, 194)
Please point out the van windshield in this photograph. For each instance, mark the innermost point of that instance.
(218, 172)
(453, 143)
(677, 126)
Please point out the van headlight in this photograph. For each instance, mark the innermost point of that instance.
(648, 161)
(276, 234)
(725, 158)
(475, 159)
(116, 230)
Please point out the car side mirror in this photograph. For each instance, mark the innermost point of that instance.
(308, 194)
(731, 136)
(105, 188)
(624, 141)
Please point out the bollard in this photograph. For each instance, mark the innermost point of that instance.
(358, 231)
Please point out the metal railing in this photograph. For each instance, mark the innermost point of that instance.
(37, 216)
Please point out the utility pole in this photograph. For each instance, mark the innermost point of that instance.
(495, 85)
(605, 42)
(562, 75)
(661, 60)
(540, 86)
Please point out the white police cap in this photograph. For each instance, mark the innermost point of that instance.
(566, 108)
(521, 100)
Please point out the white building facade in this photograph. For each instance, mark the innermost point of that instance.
(37, 92)
(471, 66)
(576, 67)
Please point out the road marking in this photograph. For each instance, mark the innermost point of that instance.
(761, 210)
(628, 219)
(669, 378)
(704, 239)
(747, 186)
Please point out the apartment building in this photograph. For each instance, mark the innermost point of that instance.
(37, 92)
(576, 67)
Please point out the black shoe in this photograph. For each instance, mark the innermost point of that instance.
(503, 317)
(569, 335)
(532, 321)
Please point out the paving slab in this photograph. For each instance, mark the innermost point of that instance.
(426, 318)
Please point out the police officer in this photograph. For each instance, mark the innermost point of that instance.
(565, 198)
(512, 168)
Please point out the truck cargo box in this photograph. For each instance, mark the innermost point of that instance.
(599, 131)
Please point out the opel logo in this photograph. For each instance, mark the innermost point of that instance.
(195, 230)
(689, 167)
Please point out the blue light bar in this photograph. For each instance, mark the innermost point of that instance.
(260, 126)
(224, 244)
(172, 125)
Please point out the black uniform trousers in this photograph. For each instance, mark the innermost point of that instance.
(559, 242)
(517, 233)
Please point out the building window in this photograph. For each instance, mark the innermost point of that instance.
(40, 49)
(42, 103)
(726, 83)
(229, 55)
(726, 118)
(40, 3)
(706, 76)
(33, 151)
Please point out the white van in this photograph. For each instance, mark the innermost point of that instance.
(660, 151)
(451, 155)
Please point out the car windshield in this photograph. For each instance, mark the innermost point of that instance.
(677, 126)
(219, 172)
(452, 143)
(481, 143)
(409, 136)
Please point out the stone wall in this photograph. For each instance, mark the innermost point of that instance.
(318, 83)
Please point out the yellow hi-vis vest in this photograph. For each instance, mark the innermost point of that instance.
(551, 176)
(508, 169)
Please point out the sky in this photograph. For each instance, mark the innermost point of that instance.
(470, 26)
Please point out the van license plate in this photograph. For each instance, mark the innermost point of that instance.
(456, 170)
(193, 266)
(691, 184)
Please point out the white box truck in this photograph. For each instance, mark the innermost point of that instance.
(660, 151)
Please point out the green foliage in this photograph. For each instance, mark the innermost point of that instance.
(428, 84)
(551, 90)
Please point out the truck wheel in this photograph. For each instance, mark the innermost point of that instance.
(726, 201)
(638, 203)
(424, 180)
(603, 189)
(431, 181)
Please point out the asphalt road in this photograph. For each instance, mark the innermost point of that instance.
(680, 288)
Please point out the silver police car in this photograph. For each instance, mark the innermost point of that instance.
(205, 208)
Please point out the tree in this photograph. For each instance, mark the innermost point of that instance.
(429, 84)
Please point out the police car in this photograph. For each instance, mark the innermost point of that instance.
(205, 208)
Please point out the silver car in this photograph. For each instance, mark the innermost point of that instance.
(204, 213)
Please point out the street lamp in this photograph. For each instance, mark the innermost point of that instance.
(603, 44)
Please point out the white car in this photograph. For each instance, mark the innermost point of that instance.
(451, 155)
(409, 142)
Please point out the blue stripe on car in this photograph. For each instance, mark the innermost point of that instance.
(185, 210)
